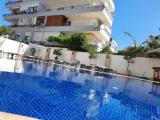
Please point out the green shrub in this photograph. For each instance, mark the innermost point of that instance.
(75, 42)
(4, 30)
(79, 42)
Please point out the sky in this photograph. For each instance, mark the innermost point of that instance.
(2, 11)
(141, 18)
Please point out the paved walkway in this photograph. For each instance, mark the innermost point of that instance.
(8, 116)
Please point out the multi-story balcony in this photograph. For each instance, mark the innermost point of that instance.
(64, 3)
(63, 28)
(39, 19)
(100, 12)
(12, 4)
(17, 15)
(61, 3)
(100, 31)
(111, 5)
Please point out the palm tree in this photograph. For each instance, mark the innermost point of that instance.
(134, 51)
(154, 42)
(106, 50)
(132, 38)
(129, 56)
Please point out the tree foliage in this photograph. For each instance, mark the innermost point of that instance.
(154, 42)
(4, 30)
(129, 56)
(75, 42)
(62, 39)
(139, 51)
(132, 38)
(131, 53)
(79, 42)
(106, 50)
(92, 50)
(153, 54)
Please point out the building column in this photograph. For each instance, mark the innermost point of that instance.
(45, 21)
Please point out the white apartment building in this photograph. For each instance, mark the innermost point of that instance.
(113, 45)
(36, 20)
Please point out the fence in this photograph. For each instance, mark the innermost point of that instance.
(10, 46)
(142, 67)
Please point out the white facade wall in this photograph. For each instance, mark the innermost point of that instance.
(110, 5)
(26, 5)
(7, 45)
(141, 68)
(92, 39)
(66, 55)
(81, 14)
(105, 34)
(52, 55)
(43, 36)
(22, 48)
(30, 20)
(7, 65)
(83, 58)
(62, 3)
(64, 51)
(118, 63)
(40, 51)
(10, 46)
(38, 36)
(113, 48)
(83, 21)
(101, 60)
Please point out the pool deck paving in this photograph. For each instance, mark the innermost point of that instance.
(9, 116)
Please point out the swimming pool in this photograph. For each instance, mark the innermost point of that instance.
(52, 92)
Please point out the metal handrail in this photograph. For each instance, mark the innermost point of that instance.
(57, 9)
(20, 13)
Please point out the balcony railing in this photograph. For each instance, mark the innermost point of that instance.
(82, 7)
(60, 9)
(39, 25)
(88, 27)
(103, 27)
(19, 13)
(110, 15)
(13, 2)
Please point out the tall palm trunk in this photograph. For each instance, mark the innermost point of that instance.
(128, 67)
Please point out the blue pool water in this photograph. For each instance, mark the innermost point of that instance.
(51, 92)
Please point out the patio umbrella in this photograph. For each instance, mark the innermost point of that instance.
(153, 53)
